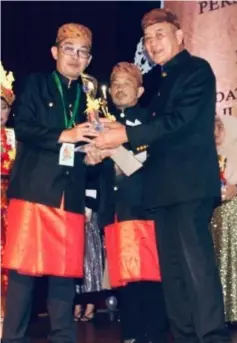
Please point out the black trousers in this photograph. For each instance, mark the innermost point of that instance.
(142, 312)
(18, 308)
(190, 277)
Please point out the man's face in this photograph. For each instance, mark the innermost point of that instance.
(125, 91)
(5, 110)
(72, 56)
(162, 42)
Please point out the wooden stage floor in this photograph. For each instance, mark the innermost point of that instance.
(101, 330)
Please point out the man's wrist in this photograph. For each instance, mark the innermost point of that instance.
(65, 137)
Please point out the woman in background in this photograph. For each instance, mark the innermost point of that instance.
(99, 210)
(7, 158)
(224, 222)
(87, 288)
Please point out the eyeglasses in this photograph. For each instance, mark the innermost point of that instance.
(72, 51)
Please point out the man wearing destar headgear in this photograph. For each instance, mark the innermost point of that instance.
(181, 179)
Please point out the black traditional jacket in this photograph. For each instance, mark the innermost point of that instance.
(182, 165)
(36, 175)
(128, 190)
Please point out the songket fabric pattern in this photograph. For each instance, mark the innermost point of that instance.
(132, 252)
(4, 275)
(7, 159)
(224, 232)
(44, 240)
(93, 259)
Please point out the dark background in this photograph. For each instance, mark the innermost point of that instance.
(29, 30)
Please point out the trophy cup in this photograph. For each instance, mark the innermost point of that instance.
(90, 86)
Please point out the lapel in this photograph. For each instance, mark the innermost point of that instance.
(81, 116)
(169, 81)
(55, 99)
(132, 117)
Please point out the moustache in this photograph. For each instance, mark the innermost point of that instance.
(120, 95)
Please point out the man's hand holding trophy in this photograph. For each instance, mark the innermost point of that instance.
(121, 156)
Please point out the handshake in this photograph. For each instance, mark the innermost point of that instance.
(95, 155)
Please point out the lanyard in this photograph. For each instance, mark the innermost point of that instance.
(68, 122)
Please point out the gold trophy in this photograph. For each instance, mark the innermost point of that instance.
(104, 105)
(90, 85)
(123, 159)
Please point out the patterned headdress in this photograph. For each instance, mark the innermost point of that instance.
(159, 15)
(6, 79)
(128, 68)
(73, 30)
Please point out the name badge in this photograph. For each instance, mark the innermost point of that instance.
(66, 155)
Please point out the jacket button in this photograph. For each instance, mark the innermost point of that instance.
(67, 172)
(115, 188)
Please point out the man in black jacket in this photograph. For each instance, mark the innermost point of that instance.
(181, 180)
(142, 309)
(47, 189)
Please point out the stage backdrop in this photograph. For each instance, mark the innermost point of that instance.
(210, 29)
